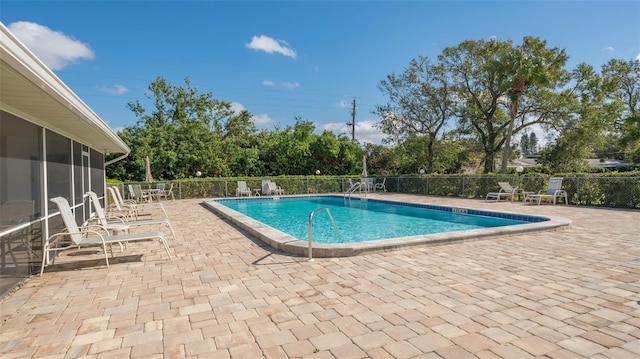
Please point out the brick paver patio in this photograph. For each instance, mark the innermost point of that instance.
(565, 294)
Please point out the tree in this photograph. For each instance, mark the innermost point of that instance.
(239, 145)
(528, 144)
(624, 77)
(529, 65)
(181, 133)
(532, 147)
(584, 118)
(524, 144)
(420, 103)
(497, 84)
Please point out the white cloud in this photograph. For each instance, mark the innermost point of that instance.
(114, 90)
(343, 104)
(237, 107)
(285, 84)
(271, 45)
(366, 131)
(54, 48)
(638, 57)
(609, 48)
(290, 85)
(262, 120)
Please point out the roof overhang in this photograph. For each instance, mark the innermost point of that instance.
(30, 90)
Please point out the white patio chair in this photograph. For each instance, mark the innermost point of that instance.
(242, 189)
(274, 189)
(115, 222)
(74, 237)
(380, 185)
(553, 192)
(506, 191)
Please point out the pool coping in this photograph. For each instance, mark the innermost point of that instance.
(289, 244)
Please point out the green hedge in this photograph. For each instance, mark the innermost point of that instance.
(614, 190)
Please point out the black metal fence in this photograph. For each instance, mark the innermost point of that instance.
(600, 191)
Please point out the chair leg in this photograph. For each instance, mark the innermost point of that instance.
(104, 249)
(166, 247)
(171, 229)
(45, 250)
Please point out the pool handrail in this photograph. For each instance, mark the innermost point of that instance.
(310, 229)
(356, 186)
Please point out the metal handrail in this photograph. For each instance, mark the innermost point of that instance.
(356, 186)
(310, 228)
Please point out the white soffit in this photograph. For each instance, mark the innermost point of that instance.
(28, 89)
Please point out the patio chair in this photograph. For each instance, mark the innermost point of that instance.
(553, 192)
(116, 223)
(506, 190)
(274, 189)
(167, 192)
(380, 185)
(136, 206)
(242, 189)
(158, 193)
(73, 237)
(138, 194)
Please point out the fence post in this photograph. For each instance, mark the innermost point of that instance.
(464, 182)
(577, 191)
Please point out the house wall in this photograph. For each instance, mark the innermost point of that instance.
(37, 164)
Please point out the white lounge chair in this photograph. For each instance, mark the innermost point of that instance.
(242, 189)
(115, 223)
(506, 191)
(553, 192)
(134, 205)
(274, 189)
(73, 237)
(139, 195)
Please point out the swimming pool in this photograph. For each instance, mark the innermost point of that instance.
(366, 224)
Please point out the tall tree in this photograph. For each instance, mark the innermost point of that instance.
(532, 147)
(530, 64)
(493, 80)
(420, 103)
(181, 132)
(584, 119)
(524, 144)
(624, 77)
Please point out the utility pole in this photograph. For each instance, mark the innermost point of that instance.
(352, 124)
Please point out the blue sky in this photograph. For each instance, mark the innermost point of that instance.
(281, 59)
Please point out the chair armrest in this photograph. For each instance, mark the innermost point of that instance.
(113, 217)
(54, 238)
(93, 228)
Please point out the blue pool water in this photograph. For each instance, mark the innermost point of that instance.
(365, 220)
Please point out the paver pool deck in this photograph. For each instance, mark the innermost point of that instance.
(571, 293)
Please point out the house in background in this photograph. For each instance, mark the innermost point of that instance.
(51, 144)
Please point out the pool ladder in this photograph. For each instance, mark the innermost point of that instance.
(356, 187)
(310, 228)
